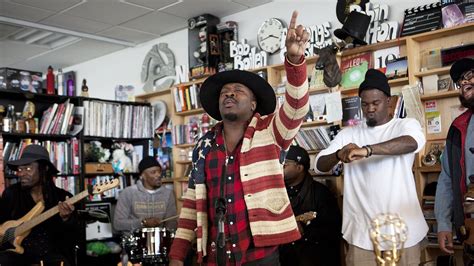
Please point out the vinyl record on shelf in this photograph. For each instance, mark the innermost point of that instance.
(159, 113)
(342, 8)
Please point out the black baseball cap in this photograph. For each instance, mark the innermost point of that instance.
(299, 155)
(459, 67)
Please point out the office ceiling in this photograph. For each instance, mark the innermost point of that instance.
(61, 33)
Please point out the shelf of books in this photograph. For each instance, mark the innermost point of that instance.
(117, 120)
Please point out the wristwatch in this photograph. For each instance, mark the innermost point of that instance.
(143, 222)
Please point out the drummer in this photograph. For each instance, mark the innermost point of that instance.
(147, 203)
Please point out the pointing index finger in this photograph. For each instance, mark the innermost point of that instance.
(293, 19)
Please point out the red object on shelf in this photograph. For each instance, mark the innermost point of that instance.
(50, 81)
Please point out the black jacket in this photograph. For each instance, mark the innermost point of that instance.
(51, 236)
(320, 243)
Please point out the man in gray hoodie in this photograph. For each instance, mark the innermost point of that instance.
(146, 203)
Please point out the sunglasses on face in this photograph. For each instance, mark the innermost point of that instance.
(466, 76)
(27, 169)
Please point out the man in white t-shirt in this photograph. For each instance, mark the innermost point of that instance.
(378, 158)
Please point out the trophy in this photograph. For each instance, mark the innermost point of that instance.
(388, 234)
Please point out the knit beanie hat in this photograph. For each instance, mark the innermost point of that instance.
(375, 79)
(146, 163)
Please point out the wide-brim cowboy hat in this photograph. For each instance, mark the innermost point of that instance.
(211, 88)
(33, 153)
(459, 67)
(355, 26)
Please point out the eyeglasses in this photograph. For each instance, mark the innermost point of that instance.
(466, 76)
(27, 169)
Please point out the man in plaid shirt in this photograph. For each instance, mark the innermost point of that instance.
(236, 205)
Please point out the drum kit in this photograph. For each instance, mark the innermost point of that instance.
(148, 246)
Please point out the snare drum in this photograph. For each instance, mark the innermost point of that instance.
(148, 245)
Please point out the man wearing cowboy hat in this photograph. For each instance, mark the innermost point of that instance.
(236, 205)
(378, 157)
(50, 241)
(456, 180)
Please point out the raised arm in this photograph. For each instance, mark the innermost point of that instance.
(288, 119)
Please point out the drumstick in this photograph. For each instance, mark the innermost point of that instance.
(169, 218)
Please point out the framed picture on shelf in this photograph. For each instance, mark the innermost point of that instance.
(445, 84)
(397, 68)
(433, 151)
(353, 69)
(164, 155)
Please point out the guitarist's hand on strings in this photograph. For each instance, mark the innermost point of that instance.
(65, 210)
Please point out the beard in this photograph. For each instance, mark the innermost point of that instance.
(371, 122)
(230, 117)
(468, 103)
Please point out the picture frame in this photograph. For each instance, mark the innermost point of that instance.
(397, 68)
(445, 84)
(432, 154)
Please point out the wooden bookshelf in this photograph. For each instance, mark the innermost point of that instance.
(374, 47)
(443, 33)
(184, 146)
(430, 169)
(435, 71)
(315, 124)
(190, 112)
(184, 162)
(440, 95)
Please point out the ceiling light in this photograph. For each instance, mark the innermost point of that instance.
(64, 31)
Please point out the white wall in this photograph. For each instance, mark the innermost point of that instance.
(124, 67)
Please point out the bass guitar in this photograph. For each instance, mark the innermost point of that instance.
(306, 217)
(15, 231)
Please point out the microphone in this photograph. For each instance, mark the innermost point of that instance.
(221, 209)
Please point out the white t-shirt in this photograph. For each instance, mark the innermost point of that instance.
(381, 183)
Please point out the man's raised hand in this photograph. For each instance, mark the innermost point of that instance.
(296, 40)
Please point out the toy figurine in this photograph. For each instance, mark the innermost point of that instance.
(84, 89)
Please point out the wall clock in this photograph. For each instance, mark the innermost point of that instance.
(269, 35)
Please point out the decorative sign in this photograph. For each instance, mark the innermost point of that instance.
(246, 57)
(383, 56)
(319, 37)
(380, 29)
(158, 73)
(182, 74)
